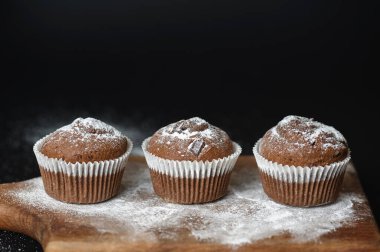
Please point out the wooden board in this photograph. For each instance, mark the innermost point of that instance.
(62, 231)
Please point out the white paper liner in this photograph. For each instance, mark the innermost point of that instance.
(97, 168)
(191, 169)
(298, 174)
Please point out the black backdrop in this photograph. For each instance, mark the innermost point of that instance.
(242, 65)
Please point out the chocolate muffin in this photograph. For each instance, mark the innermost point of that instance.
(192, 139)
(190, 161)
(301, 141)
(302, 162)
(83, 162)
(85, 140)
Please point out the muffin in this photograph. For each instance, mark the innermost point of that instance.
(302, 162)
(190, 161)
(83, 162)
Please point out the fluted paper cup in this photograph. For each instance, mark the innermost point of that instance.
(88, 182)
(190, 182)
(300, 186)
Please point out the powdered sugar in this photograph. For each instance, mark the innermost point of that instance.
(44, 126)
(89, 127)
(245, 215)
(174, 129)
(193, 137)
(317, 128)
(274, 132)
(310, 131)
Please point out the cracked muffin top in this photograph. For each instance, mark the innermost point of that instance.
(191, 139)
(301, 141)
(85, 140)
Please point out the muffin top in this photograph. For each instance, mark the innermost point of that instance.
(191, 139)
(301, 141)
(85, 140)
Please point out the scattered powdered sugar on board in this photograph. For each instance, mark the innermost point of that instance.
(245, 215)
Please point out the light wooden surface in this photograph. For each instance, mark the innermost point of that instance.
(57, 234)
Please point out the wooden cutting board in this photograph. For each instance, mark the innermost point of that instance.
(58, 228)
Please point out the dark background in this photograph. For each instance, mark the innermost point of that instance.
(242, 65)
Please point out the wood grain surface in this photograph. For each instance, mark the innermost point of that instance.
(58, 231)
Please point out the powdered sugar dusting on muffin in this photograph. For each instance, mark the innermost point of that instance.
(85, 140)
(182, 129)
(86, 130)
(90, 127)
(190, 139)
(301, 141)
(310, 130)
